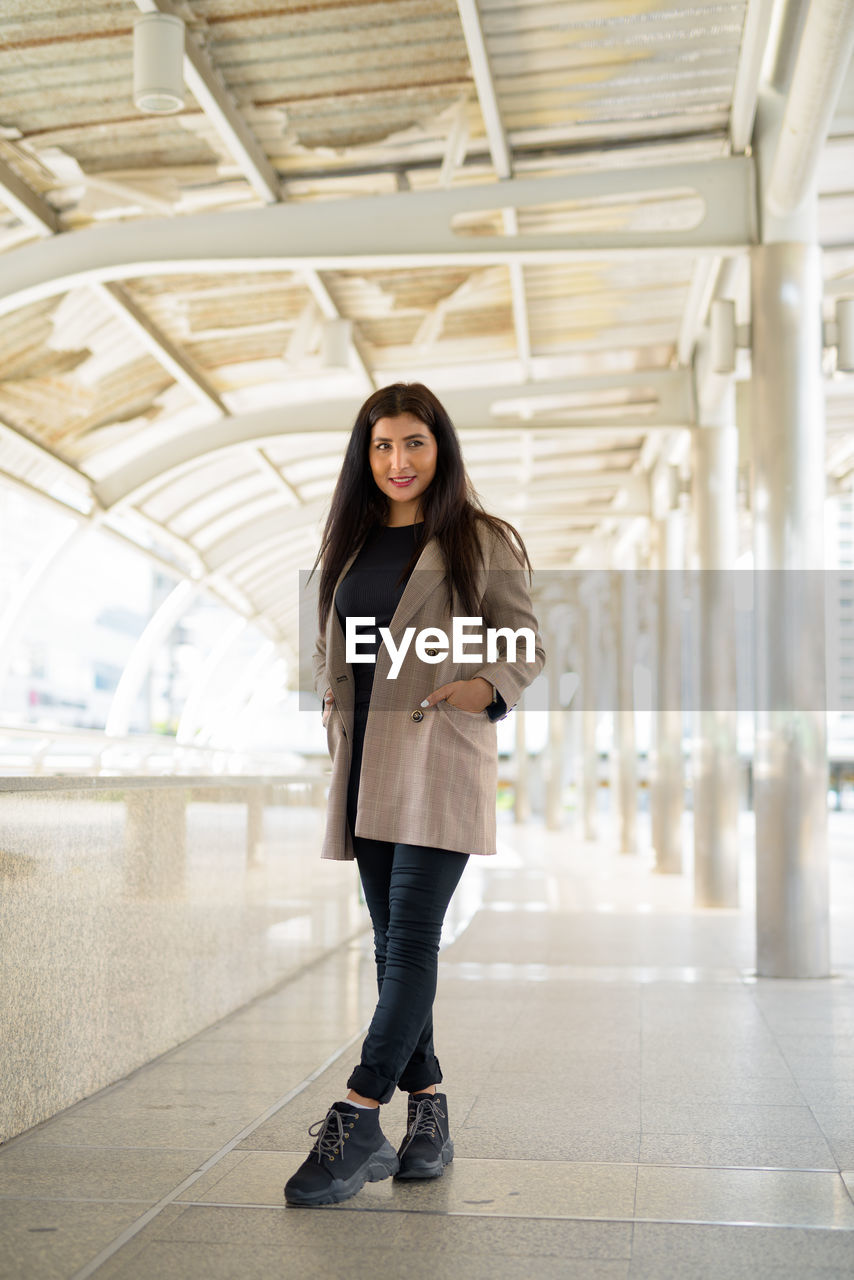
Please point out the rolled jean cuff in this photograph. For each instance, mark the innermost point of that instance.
(420, 1077)
(370, 1085)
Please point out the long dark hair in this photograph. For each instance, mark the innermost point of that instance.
(451, 509)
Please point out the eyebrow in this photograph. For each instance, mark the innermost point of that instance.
(415, 435)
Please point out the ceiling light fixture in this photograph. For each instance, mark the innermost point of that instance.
(158, 63)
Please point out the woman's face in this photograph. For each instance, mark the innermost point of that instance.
(403, 456)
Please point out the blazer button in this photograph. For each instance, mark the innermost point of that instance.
(431, 653)
(417, 716)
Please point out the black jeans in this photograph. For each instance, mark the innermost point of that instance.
(407, 888)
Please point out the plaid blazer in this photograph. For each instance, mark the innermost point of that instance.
(429, 776)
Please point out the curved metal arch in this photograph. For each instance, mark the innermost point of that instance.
(264, 573)
(471, 408)
(130, 481)
(251, 537)
(410, 228)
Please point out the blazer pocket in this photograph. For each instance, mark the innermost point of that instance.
(459, 711)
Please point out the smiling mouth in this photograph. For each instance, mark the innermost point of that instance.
(402, 482)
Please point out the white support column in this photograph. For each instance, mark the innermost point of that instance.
(556, 649)
(588, 691)
(788, 421)
(624, 598)
(666, 762)
(715, 759)
(522, 788)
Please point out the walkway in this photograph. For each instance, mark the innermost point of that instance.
(627, 1101)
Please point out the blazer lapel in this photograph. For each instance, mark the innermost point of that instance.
(428, 574)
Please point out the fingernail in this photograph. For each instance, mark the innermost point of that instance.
(426, 702)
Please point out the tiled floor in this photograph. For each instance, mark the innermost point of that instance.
(627, 1102)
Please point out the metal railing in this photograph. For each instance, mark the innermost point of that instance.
(42, 752)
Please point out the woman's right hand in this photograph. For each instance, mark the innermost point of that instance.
(328, 700)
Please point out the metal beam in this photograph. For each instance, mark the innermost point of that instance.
(487, 97)
(455, 148)
(138, 664)
(169, 567)
(270, 468)
(404, 229)
(518, 298)
(472, 408)
(216, 101)
(757, 25)
(76, 478)
(31, 208)
(243, 543)
(502, 162)
(44, 219)
(823, 60)
(329, 309)
(173, 360)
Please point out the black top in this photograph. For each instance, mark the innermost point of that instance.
(371, 590)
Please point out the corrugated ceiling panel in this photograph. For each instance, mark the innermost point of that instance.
(341, 74)
(600, 64)
(203, 516)
(192, 485)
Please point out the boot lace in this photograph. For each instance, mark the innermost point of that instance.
(427, 1112)
(329, 1134)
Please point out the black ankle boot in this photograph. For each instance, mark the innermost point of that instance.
(350, 1149)
(427, 1147)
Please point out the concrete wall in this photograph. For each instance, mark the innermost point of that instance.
(135, 912)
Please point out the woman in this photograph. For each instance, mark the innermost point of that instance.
(407, 548)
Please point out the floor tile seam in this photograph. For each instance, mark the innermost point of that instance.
(398, 1210)
(763, 1014)
(670, 1103)
(737, 1168)
(604, 1164)
(826, 1135)
(125, 1236)
(619, 981)
(39, 1199)
(101, 1146)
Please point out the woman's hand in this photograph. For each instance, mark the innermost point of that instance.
(328, 700)
(473, 695)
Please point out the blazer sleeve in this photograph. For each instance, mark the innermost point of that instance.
(507, 603)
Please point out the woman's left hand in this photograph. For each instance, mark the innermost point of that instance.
(473, 695)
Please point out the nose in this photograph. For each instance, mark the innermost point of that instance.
(398, 459)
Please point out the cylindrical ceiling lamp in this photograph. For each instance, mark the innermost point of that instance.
(722, 317)
(158, 63)
(336, 342)
(845, 334)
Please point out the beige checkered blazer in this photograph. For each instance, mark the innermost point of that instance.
(429, 776)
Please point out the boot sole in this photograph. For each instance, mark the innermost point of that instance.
(424, 1170)
(383, 1164)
